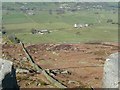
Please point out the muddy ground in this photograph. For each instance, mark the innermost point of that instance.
(81, 64)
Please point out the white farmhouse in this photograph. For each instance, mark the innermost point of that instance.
(86, 25)
(75, 26)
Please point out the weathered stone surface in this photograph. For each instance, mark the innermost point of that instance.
(7, 75)
(111, 77)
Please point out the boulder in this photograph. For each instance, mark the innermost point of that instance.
(111, 75)
(7, 75)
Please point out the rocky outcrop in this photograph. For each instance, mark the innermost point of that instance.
(111, 77)
(7, 75)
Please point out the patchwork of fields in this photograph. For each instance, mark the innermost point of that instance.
(70, 41)
(62, 26)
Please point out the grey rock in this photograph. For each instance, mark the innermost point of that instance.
(111, 73)
(59, 71)
(72, 82)
(7, 75)
(64, 72)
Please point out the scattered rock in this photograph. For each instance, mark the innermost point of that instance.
(38, 84)
(55, 53)
(58, 71)
(72, 82)
(64, 72)
(96, 77)
(22, 71)
(24, 58)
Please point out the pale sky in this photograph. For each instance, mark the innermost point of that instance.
(60, 0)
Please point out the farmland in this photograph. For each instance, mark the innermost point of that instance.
(61, 25)
(70, 41)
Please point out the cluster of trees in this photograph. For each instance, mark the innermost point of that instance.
(109, 21)
(3, 31)
(112, 22)
(26, 9)
(33, 31)
(8, 8)
(57, 11)
(60, 11)
(13, 39)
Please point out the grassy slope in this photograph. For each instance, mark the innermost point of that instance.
(62, 26)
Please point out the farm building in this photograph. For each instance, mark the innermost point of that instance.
(30, 13)
(75, 25)
(80, 25)
(43, 31)
(86, 25)
(23, 8)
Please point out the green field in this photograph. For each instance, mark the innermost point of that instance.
(20, 24)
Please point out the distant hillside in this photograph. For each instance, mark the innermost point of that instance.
(55, 5)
